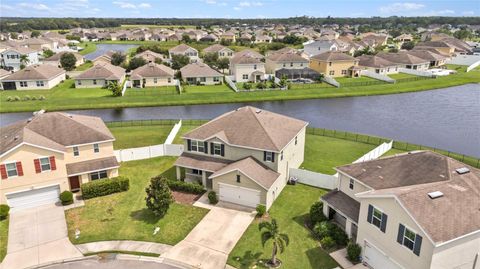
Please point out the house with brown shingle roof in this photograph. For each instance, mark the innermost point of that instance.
(406, 60)
(243, 155)
(286, 58)
(186, 50)
(247, 65)
(11, 57)
(222, 51)
(99, 75)
(335, 64)
(55, 59)
(150, 56)
(200, 74)
(153, 75)
(377, 64)
(51, 153)
(34, 77)
(413, 210)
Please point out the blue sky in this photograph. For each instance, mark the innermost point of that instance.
(236, 8)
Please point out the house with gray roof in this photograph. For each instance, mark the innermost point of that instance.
(186, 50)
(200, 74)
(313, 48)
(247, 65)
(34, 77)
(152, 75)
(99, 75)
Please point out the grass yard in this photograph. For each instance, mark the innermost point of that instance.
(84, 66)
(290, 210)
(139, 136)
(88, 47)
(302, 86)
(207, 89)
(352, 80)
(401, 75)
(124, 216)
(3, 238)
(164, 90)
(183, 130)
(322, 153)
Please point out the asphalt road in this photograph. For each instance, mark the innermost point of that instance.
(111, 264)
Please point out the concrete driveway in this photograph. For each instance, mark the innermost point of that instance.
(37, 236)
(209, 243)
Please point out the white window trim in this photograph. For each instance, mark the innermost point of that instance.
(351, 183)
(374, 217)
(96, 148)
(49, 163)
(78, 151)
(16, 168)
(215, 149)
(267, 156)
(198, 144)
(404, 236)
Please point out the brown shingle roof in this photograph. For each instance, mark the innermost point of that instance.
(374, 61)
(198, 70)
(32, 72)
(180, 48)
(149, 56)
(332, 56)
(103, 71)
(214, 48)
(200, 162)
(427, 55)
(246, 57)
(253, 169)
(344, 203)
(152, 70)
(401, 58)
(250, 127)
(92, 165)
(286, 57)
(54, 130)
(58, 56)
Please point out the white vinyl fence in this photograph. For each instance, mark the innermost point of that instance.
(331, 81)
(472, 66)
(132, 154)
(415, 72)
(374, 75)
(230, 83)
(178, 85)
(125, 85)
(173, 133)
(376, 152)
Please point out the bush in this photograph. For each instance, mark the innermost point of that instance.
(104, 187)
(353, 252)
(212, 197)
(338, 235)
(16, 98)
(322, 229)
(41, 97)
(261, 210)
(26, 98)
(66, 197)
(4, 209)
(177, 185)
(34, 98)
(327, 242)
(9, 99)
(261, 85)
(247, 86)
(159, 196)
(316, 213)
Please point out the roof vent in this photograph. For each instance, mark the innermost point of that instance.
(16, 138)
(435, 194)
(462, 170)
(258, 111)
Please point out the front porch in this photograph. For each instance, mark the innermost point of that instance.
(343, 210)
(257, 76)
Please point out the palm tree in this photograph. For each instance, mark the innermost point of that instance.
(271, 232)
(24, 58)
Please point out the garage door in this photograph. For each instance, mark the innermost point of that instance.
(239, 195)
(376, 260)
(32, 198)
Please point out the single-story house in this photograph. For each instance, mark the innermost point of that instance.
(99, 75)
(200, 73)
(34, 77)
(55, 59)
(152, 75)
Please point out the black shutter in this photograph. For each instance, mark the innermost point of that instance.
(222, 150)
(264, 156)
(418, 245)
(212, 149)
(370, 213)
(273, 157)
(383, 226)
(401, 231)
(189, 144)
(205, 145)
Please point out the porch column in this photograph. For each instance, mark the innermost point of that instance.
(179, 172)
(325, 209)
(348, 228)
(204, 179)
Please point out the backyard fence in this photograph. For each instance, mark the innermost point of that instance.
(370, 74)
(178, 86)
(331, 81)
(173, 133)
(473, 66)
(415, 72)
(126, 84)
(410, 79)
(141, 153)
(376, 152)
(230, 83)
(153, 92)
(152, 122)
(309, 85)
(361, 83)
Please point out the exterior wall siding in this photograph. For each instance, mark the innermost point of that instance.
(344, 186)
(245, 182)
(246, 69)
(272, 66)
(337, 67)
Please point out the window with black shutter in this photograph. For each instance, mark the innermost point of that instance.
(409, 239)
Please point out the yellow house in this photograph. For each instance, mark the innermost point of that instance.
(335, 64)
(51, 153)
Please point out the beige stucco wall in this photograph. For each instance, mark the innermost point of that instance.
(383, 71)
(225, 53)
(459, 254)
(324, 68)
(161, 81)
(238, 70)
(86, 152)
(387, 242)
(88, 83)
(208, 80)
(344, 183)
(47, 84)
(272, 66)
(245, 182)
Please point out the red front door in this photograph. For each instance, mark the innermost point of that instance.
(74, 183)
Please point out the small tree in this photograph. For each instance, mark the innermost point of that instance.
(13, 35)
(118, 58)
(353, 252)
(68, 61)
(316, 213)
(48, 53)
(211, 59)
(35, 33)
(158, 197)
(158, 60)
(179, 61)
(408, 45)
(114, 88)
(271, 232)
(24, 59)
(136, 62)
(186, 38)
(223, 63)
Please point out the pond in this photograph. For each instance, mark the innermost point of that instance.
(103, 48)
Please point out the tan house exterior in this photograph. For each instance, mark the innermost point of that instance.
(55, 59)
(284, 59)
(153, 75)
(247, 66)
(222, 51)
(99, 75)
(377, 64)
(186, 50)
(335, 64)
(34, 77)
(244, 155)
(415, 210)
(51, 153)
(200, 74)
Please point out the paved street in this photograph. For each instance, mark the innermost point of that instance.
(112, 264)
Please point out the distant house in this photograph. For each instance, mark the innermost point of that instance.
(34, 77)
(150, 56)
(286, 58)
(320, 46)
(186, 50)
(228, 36)
(406, 60)
(440, 46)
(55, 59)
(436, 59)
(404, 38)
(335, 64)
(263, 39)
(3, 74)
(375, 40)
(153, 75)
(247, 65)
(11, 58)
(377, 64)
(200, 73)
(104, 58)
(100, 75)
(209, 38)
(222, 51)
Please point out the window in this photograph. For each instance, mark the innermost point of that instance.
(296, 140)
(198, 146)
(351, 184)
(217, 149)
(79, 82)
(284, 65)
(216, 79)
(377, 71)
(255, 67)
(197, 172)
(238, 178)
(45, 164)
(291, 64)
(377, 217)
(169, 80)
(245, 76)
(203, 79)
(281, 156)
(11, 169)
(409, 239)
(40, 83)
(98, 175)
(269, 156)
(23, 84)
(344, 72)
(329, 63)
(96, 149)
(331, 73)
(94, 82)
(75, 151)
(155, 80)
(301, 64)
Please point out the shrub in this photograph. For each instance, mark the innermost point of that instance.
(66, 197)
(26, 98)
(67, 77)
(4, 209)
(327, 242)
(9, 99)
(353, 252)
(338, 235)
(261, 210)
(247, 86)
(159, 196)
(177, 185)
(104, 187)
(322, 229)
(16, 98)
(41, 97)
(261, 85)
(212, 197)
(316, 213)
(34, 98)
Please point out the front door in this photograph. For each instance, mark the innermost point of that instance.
(74, 183)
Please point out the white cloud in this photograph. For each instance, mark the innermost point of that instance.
(34, 6)
(401, 7)
(211, 2)
(250, 4)
(129, 5)
(468, 13)
(96, 10)
(144, 5)
(5, 7)
(237, 8)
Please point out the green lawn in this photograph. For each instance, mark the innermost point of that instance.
(139, 136)
(302, 86)
(88, 99)
(84, 66)
(3, 238)
(322, 153)
(401, 75)
(351, 80)
(88, 47)
(290, 210)
(129, 218)
(184, 129)
(164, 90)
(207, 89)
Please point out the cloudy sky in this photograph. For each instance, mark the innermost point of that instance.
(236, 8)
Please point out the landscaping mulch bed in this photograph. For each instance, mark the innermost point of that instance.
(185, 198)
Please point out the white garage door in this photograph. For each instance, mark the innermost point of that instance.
(33, 198)
(239, 195)
(376, 259)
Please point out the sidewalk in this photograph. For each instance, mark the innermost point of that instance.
(123, 245)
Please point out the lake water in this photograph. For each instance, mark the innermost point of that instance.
(103, 48)
(446, 118)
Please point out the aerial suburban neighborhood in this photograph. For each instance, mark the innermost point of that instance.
(239, 134)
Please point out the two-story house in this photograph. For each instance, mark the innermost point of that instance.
(221, 51)
(287, 59)
(243, 155)
(335, 64)
(247, 65)
(50, 153)
(14, 58)
(416, 210)
(186, 50)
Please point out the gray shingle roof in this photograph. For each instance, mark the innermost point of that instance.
(103, 71)
(199, 70)
(152, 70)
(32, 72)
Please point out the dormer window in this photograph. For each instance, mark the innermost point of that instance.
(269, 156)
(198, 146)
(217, 149)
